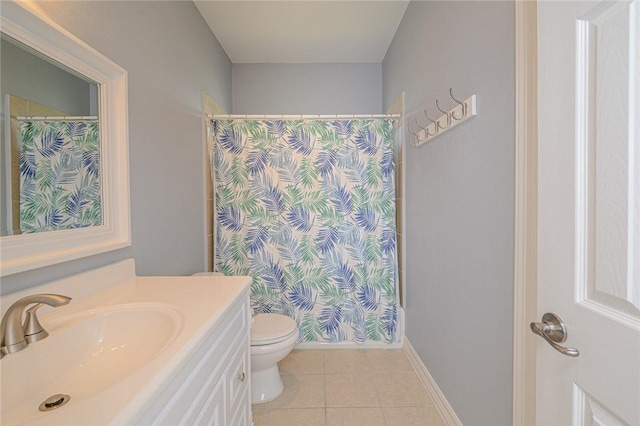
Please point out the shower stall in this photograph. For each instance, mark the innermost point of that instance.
(306, 206)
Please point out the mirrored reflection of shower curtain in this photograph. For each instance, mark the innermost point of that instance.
(59, 174)
(307, 208)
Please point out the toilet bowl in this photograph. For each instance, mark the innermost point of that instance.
(273, 336)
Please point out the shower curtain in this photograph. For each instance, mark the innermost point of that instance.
(59, 175)
(306, 207)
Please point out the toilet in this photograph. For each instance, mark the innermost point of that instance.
(273, 336)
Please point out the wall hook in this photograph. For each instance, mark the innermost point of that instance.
(419, 140)
(436, 126)
(452, 118)
(464, 107)
(447, 115)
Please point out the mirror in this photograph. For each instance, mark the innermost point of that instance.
(64, 164)
(50, 146)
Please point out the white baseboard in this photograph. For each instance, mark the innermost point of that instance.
(444, 408)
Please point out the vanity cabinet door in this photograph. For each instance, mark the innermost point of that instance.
(213, 412)
(212, 388)
(238, 376)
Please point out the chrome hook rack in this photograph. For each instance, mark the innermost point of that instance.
(461, 112)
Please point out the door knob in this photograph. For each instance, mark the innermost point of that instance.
(552, 330)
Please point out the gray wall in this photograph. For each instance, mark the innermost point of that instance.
(459, 200)
(171, 57)
(307, 88)
(31, 77)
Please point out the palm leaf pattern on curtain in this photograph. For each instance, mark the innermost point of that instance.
(59, 175)
(307, 209)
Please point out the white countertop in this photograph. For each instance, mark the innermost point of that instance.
(200, 302)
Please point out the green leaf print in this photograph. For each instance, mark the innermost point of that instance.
(317, 205)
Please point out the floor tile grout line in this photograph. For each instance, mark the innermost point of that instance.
(324, 372)
(368, 371)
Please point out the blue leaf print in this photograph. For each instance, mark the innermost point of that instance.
(389, 317)
(222, 246)
(326, 240)
(257, 161)
(287, 245)
(366, 141)
(300, 219)
(343, 127)
(388, 164)
(357, 172)
(347, 156)
(301, 142)
(325, 162)
(269, 270)
(266, 309)
(317, 226)
(302, 297)
(91, 162)
(388, 241)
(366, 218)
(77, 202)
(353, 314)
(50, 143)
(53, 219)
(288, 169)
(276, 127)
(28, 165)
(344, 277)
(256, 237)
(230, 218)
(231, 140)
(350, 234)
(341, 200)
(368, 297)
(330, 319)
(340, 271)
(273, 200)
(76, 128)
(221, 168)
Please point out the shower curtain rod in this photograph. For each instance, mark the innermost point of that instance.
(65, 118)
(302, 116)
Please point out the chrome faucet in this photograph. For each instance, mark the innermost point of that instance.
(14, 336)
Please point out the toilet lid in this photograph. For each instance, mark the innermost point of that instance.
(271, 328)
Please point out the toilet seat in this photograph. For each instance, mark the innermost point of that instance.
(267, 329)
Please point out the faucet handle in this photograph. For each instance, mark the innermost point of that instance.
(33, 330)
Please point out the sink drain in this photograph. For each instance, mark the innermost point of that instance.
(53, 402)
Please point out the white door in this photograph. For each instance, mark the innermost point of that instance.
(589, 211)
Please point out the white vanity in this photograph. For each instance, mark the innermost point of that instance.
(135, 350)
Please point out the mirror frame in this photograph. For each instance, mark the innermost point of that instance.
(23, 22)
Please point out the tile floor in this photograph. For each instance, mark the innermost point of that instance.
(348, 387)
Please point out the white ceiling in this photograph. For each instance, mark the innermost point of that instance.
(303, 31)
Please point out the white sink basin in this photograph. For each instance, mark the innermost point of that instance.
(115, 348)
(85, 353)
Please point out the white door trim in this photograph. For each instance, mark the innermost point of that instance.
(526, 199)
